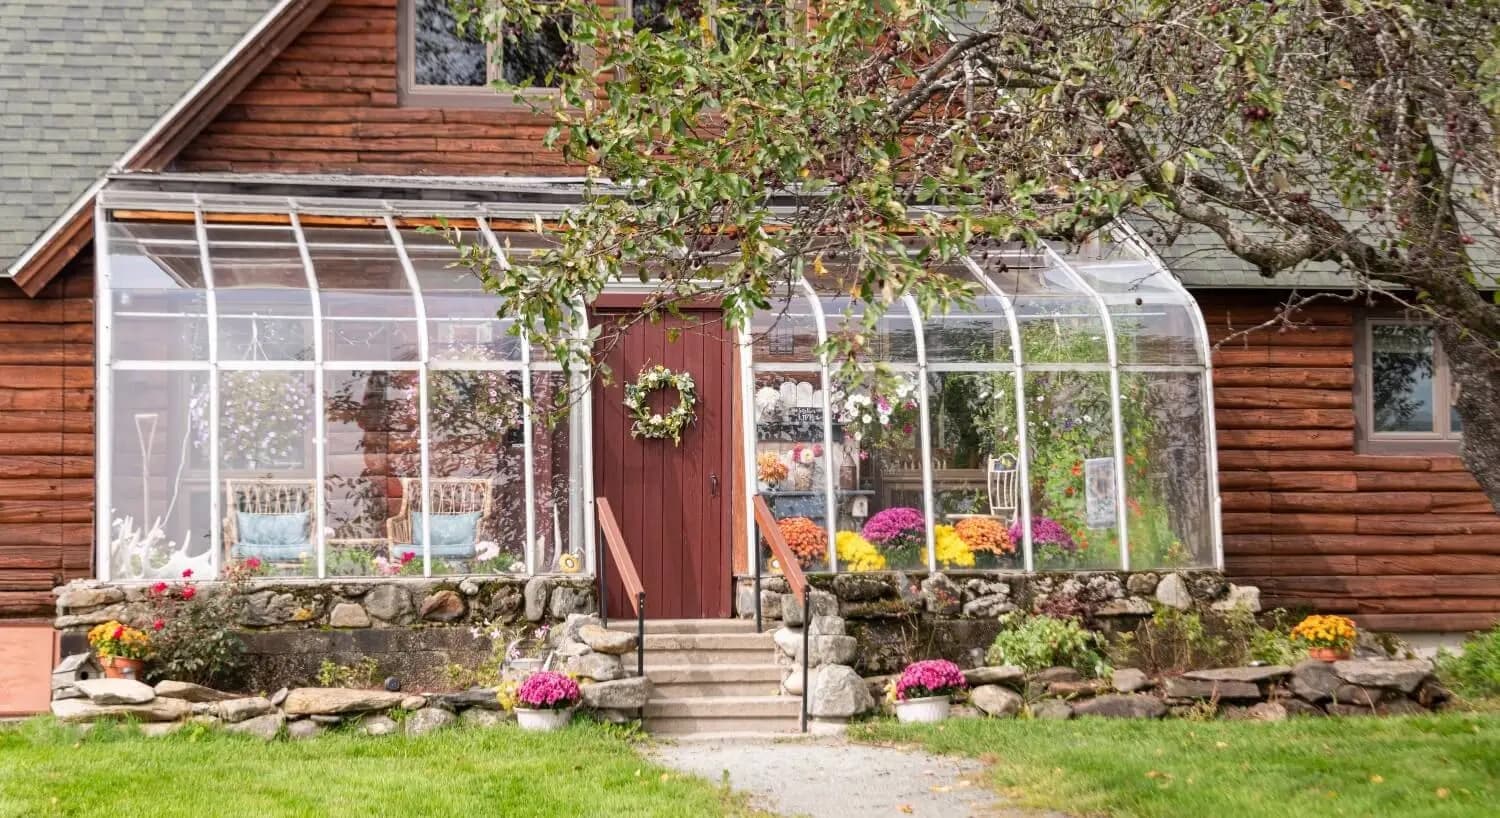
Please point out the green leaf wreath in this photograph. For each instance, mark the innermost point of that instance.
(650, 424)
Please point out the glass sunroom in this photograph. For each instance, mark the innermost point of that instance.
(1060, 420)
(294, 389)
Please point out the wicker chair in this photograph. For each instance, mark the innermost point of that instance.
(264, 496)
(450, 495)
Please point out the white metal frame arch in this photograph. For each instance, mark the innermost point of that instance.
(580, 429)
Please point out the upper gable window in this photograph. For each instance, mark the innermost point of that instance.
(450, 57)
(1407, 392)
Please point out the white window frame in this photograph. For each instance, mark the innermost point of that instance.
(1442, 439)
(411, 94)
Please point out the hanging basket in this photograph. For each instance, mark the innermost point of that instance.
(654, 425)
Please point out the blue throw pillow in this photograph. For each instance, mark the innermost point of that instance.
(447, 529)
(272, 529)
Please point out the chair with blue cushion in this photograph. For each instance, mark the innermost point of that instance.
(461, 508)
(268, 519)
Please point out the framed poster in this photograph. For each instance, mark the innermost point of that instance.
(1099, 492)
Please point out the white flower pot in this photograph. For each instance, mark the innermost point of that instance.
(543, 721)
(922, 711)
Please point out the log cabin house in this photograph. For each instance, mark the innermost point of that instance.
(216, 299)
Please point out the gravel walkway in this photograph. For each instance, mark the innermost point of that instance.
(835, 778)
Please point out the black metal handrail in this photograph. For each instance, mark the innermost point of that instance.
(768, 531)
(612, 539)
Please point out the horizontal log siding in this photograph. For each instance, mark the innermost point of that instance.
(328, 104)
(1400, 543)
(46, 439)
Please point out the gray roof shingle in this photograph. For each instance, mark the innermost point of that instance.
(82, 81)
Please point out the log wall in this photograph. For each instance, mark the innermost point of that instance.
(1399, 542)
(329, 104)
(46, 438)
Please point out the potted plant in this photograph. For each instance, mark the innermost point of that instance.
(770, 470)
(545, 701)
(122, 650)
(1328, 638)
(923, 692)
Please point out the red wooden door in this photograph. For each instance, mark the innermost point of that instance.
(673, 502)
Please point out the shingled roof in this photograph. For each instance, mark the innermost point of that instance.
(81, 82)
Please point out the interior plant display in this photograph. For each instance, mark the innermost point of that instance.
(899, 533)
(1326, 637)
(988, 538)
(1036, 642)
(545, 701)
(856, 553)
(770, 470)
(923, 693)
(1050, 541)
(950, 549)
(263, 417)
(654, 425)
(880, 413)
(807, 539)
(122, 650)
(804, 464)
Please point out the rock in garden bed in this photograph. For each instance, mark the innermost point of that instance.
(305, 701)
(1122, 706)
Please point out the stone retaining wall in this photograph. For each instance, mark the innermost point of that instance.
(411, 627)
(896, 618)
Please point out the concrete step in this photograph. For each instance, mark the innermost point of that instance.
(708, 641)
(678, 658)
(693, 726)
(702, 681)
(654, 626)
(724, 707)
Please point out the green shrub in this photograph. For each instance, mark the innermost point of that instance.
(1037, 642)
(1172, 641)
(1475, 673)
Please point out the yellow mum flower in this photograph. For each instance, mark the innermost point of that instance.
(857, 553)
(952, 551)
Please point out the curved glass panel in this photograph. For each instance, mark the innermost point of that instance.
(1153, 322)
(1058, 317)
(369, 313)
(463, 320)
(158, 298)
(975, 472)
(880, 491)
(260, 283)
(372, 475)
(785, 332)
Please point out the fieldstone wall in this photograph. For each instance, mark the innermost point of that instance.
(895, 618)
(411, 627)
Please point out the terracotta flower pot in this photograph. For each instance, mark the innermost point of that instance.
(1328, 654)
(118, 667)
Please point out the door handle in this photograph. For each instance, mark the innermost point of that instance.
(713, 484)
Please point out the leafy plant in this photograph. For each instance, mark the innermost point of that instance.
(363, 673)
(1474, 673)
(1037, 642)
(194, 634)
(1172, 641)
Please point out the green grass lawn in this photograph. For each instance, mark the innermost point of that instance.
(586, 770)
(1445, 765)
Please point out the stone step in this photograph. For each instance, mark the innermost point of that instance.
(655, 626)
(697, 727)
(677, 658)
(705, 681)
(708, 641)
(724, 707)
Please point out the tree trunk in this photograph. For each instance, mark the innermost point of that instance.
(1475, 366)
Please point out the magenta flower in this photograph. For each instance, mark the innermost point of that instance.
(1045, 531)
(930, 677)
(899, 531)
(548, 691)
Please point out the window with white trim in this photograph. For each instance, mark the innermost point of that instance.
(458, 50)
(1408, 394)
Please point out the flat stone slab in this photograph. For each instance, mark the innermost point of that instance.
(307, 701)
(189, 692)
(1122, 706)
(1184, 688)
(115, 691)
(1398, 674)
(994, 675)
(83, 710)
(1262, 673)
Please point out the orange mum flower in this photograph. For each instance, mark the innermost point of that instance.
(806, 538)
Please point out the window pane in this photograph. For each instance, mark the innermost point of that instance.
(975, 476)
(659, 15)
(265, 309)
(1401, 366)
(369, 313)
(444, 54)
(159, 306)
(373, 474)
(1166, 470)
(558, 477)
(463, 321)
(535, 58)
(1071, 444)
(266, 465)
(790, 460)
(478, 471)
(159, 498)
(880, 471)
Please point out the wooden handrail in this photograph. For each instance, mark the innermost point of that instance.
(624, 565)
(771, 532)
